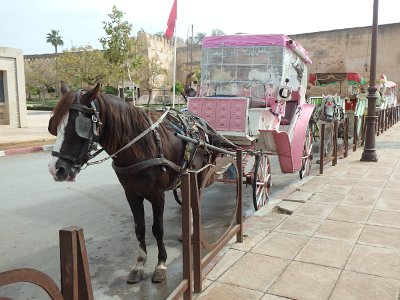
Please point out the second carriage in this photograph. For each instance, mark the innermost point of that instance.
(253, 93)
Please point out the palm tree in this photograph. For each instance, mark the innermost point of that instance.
(54, 39)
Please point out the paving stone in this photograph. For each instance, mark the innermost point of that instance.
(388, 204)
(335, 188)
(299, 225)
(380, 236)
(358, 201)
(395, 176)
(353, 174)
(350, 214)
(326, 198)
(254, 271)
(281, 245)
(251, 238)
(342, 231)
(314, 210)
(378, 183)
(379, 172)
(305, 281)
(392, 185)
(272, 297)
(362, 286)
(345, 181)
(299, 196)
(312, 187)
(270, 221)
(219, 290)
(326, 252)
(385, 218)
(230, 257)
(366, 192)
(390, 194)
(289, 205)
(375, 261)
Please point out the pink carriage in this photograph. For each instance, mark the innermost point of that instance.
(253, 93)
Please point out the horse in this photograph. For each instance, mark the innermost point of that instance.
(147, 156)
(330, 109)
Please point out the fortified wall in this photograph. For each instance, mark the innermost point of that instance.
(349, 50)
(341, 51)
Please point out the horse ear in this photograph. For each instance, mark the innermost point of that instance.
(91, 95)
(64, 88)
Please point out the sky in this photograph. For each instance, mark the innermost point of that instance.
(24, 24)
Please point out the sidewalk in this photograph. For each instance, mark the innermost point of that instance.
(337, 236)
(32, 138)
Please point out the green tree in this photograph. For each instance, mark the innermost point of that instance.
(82, 66)
(198, 39)
(54, 39)
(40, 77)
(149, 75)
(217, 32)
(119, 45)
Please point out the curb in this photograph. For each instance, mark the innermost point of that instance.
(25, 150)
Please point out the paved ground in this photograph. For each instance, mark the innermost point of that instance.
(339, 237)
(336, 236)
(28, 139)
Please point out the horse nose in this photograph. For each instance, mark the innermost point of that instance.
(62, 170)
(61, 174)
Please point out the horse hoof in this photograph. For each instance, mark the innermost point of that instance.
(135, 276)
(159, 275)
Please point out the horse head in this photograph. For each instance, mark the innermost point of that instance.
(75, 122)
(329, 108)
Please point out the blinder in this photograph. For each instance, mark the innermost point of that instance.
(86, 127)
(83, 126)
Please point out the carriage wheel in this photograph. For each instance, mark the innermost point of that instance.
(307, 155)
(261, 181)
(178, 195)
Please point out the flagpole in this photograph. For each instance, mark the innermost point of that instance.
(174, 70)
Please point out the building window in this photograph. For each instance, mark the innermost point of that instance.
(2, 98)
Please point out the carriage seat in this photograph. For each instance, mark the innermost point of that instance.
(289, 112)
(257, 103)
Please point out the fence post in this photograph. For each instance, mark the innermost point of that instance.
(322, 149)
(355, 133)
(75, 276)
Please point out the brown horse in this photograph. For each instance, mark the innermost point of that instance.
(149, 157)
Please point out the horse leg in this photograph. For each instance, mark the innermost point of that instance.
(137, 208)
(160, 271)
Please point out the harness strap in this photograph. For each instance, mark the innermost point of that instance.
(133, 141)
(140, 166)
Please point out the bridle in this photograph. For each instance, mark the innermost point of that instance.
(86, 127)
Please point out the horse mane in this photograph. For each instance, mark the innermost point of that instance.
(122, 122)
(60, 110)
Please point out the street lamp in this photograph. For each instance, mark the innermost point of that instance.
(369, 153)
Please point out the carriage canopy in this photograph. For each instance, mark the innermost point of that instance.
(252, 65)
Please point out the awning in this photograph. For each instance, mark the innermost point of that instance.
(321, 79)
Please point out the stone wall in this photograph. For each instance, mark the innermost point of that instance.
(349, 50)
(342, 51)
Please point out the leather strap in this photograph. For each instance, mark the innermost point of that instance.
(143, 165)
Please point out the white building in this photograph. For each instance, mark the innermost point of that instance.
(12, 88)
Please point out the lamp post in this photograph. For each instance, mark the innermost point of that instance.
(369, 153)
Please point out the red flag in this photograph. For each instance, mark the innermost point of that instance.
(171, 21)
